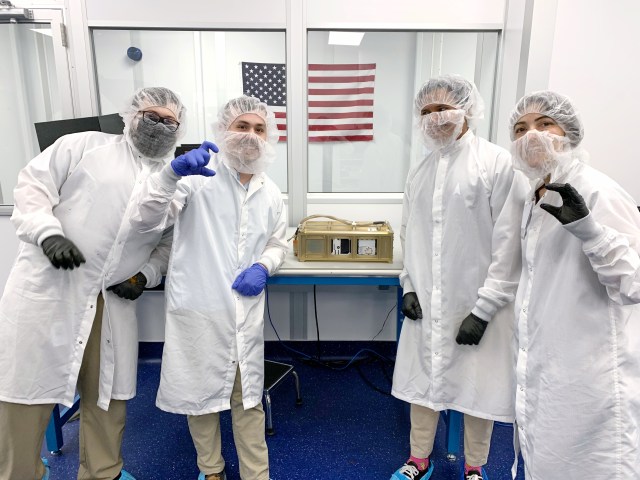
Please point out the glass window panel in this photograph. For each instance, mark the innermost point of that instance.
(203, 67)
(28, 94)
(394, 65)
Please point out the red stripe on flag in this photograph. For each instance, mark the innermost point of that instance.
(342, 103)
(341, 66)
(340, 91)
(282, 139)
(281, 126)
(346, 126)
(280, 114)
(341, 115)
(364, 78)
(348, 138)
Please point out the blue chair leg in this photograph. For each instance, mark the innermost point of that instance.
(53, 434)
(453, 421)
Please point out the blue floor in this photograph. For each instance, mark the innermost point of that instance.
(345, 430)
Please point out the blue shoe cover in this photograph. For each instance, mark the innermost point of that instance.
(483, 472)
(397, 475)
(124, 475)
(46, 469)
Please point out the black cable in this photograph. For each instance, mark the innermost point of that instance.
(318, 362)
(395, 305)
(370, 383)
(315, 310)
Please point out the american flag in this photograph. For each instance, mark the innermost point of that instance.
(340, 98)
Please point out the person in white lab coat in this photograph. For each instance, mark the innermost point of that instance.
(461, 212)
(229, 236)
(67, 319)
(578, 322)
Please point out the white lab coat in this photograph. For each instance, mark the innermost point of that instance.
(578, 332)
(220, 229)
(462, 209)
(79, 187)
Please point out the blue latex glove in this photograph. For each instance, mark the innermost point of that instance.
(252, 280)
(193, 162)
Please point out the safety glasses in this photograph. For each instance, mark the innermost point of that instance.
(153, 118)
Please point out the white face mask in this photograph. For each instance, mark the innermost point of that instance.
(247, 152)
(537, 154)
(440, 129)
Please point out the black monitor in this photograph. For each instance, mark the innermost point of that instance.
(49, 132)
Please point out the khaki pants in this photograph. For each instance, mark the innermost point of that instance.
(22, 426)
(248, 435)
(477, 435)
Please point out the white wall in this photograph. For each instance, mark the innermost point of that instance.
(595, 63)
(190, 13)
(434, 14)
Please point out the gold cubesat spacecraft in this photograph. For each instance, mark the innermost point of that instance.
(338, 240)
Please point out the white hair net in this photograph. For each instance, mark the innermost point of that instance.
(552, 105)
(455, 91)
(239, 106)
(145, 98)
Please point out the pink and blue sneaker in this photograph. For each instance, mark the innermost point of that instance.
(410, 471)
(474, 474)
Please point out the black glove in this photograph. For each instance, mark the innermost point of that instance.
(573, 207)
(411, 306)
(471, 330)
(62, 253)
(130, 289)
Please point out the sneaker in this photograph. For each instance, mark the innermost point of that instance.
(124, 475)
(216, 476)
(475, 475)
(409, 471)
(46, 469)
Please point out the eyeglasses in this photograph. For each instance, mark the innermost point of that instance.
(152, 118)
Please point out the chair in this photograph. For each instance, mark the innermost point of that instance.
(274, 373)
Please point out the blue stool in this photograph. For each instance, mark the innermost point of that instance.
(53, 435)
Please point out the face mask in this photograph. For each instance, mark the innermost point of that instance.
(247, 152)
(537, 154)
(153, 141)
(440, 129)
